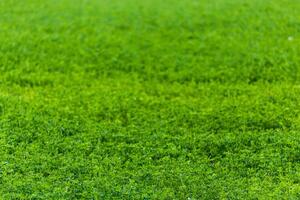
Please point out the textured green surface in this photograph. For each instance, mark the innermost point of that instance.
(149, 99)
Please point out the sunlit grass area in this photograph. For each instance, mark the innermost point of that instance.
(151, 99)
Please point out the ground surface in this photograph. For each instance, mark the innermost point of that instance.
(152, 99)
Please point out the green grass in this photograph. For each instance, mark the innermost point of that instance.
(149, 99)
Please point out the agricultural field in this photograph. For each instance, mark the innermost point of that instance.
(150, 99)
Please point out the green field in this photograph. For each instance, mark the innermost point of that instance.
(150, 99)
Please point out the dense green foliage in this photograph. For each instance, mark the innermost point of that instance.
(149, 99)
